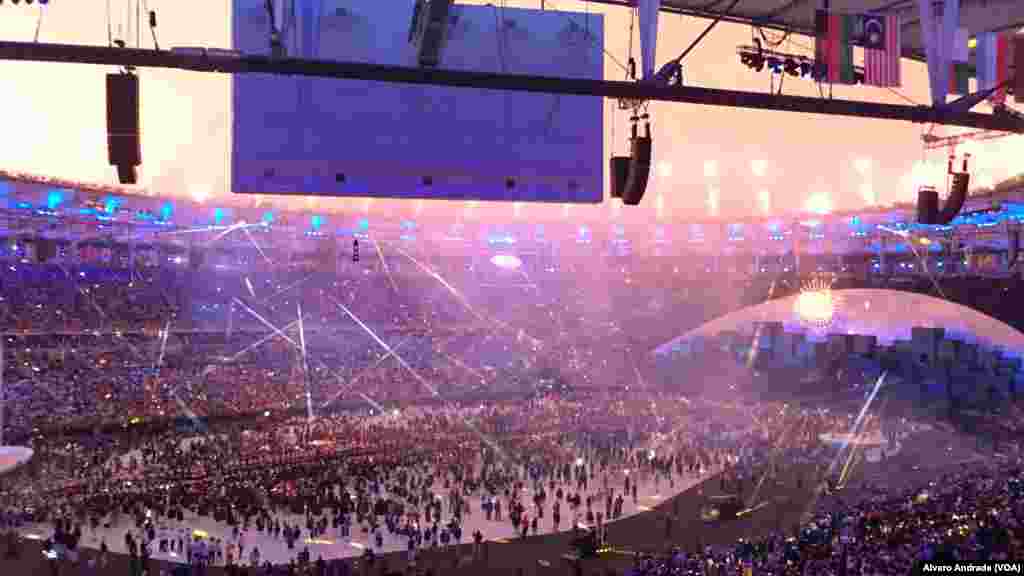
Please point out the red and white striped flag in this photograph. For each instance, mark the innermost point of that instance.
(992, 63)
(882, 67)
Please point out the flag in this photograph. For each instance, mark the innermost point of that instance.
(992, 62)
(882, 67)
(648, 36)
(832, 48)
(871, 31)
(1018, 71)
(959, 71)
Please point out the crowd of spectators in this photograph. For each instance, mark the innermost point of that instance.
(462, 414)
(542, 464)
(970, 514)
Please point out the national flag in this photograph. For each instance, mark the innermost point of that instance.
(1018, 71)
(870, 31)
(833, 49)
(959, 71)
(648, 36)
(882, 67)
(992, 62)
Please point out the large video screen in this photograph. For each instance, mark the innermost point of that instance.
(312, 136)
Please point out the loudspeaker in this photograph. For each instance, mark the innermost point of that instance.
(927, 206)
(45, 249)
(957, 196)
(618, 172)
(639, 169)
(124, 145)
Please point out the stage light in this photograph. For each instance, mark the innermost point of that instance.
(816, 305)
(752, 60)
(806, 68)
(506, 261)
(775, 64)
(758, 167)
(111, 204)
(316, 222)
(200, 195)
(54, 199)
(819, 203)
(710, 169)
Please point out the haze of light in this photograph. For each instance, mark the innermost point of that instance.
(54, 122)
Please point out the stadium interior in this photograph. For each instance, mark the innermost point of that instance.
(416, 287)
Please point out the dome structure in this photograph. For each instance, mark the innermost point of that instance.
(887, 314)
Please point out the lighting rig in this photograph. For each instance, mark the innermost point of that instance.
(757, 58)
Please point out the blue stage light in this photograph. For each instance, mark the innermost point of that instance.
(54, 198)
(316, 223)
(111, 204)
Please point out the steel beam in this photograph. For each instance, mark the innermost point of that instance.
(237, 64)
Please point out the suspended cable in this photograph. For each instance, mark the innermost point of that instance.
(630, 62)
(110, 27)
(39, 24)
(706, 31)
(499, 31)
(593, 40)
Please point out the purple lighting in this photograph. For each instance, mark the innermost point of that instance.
(506, 261)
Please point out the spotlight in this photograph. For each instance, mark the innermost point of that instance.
(752, 60)
(775, 64)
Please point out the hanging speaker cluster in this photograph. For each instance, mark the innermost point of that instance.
(629, 174)
(124, 143)
(928, 209)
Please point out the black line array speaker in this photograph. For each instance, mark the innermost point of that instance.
(639, 168)
(927, 206)
(124, 143)
(619, 173)
(928, 209)
(46, 249)
(957, 197)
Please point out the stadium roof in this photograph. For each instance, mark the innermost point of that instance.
(798, 15)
